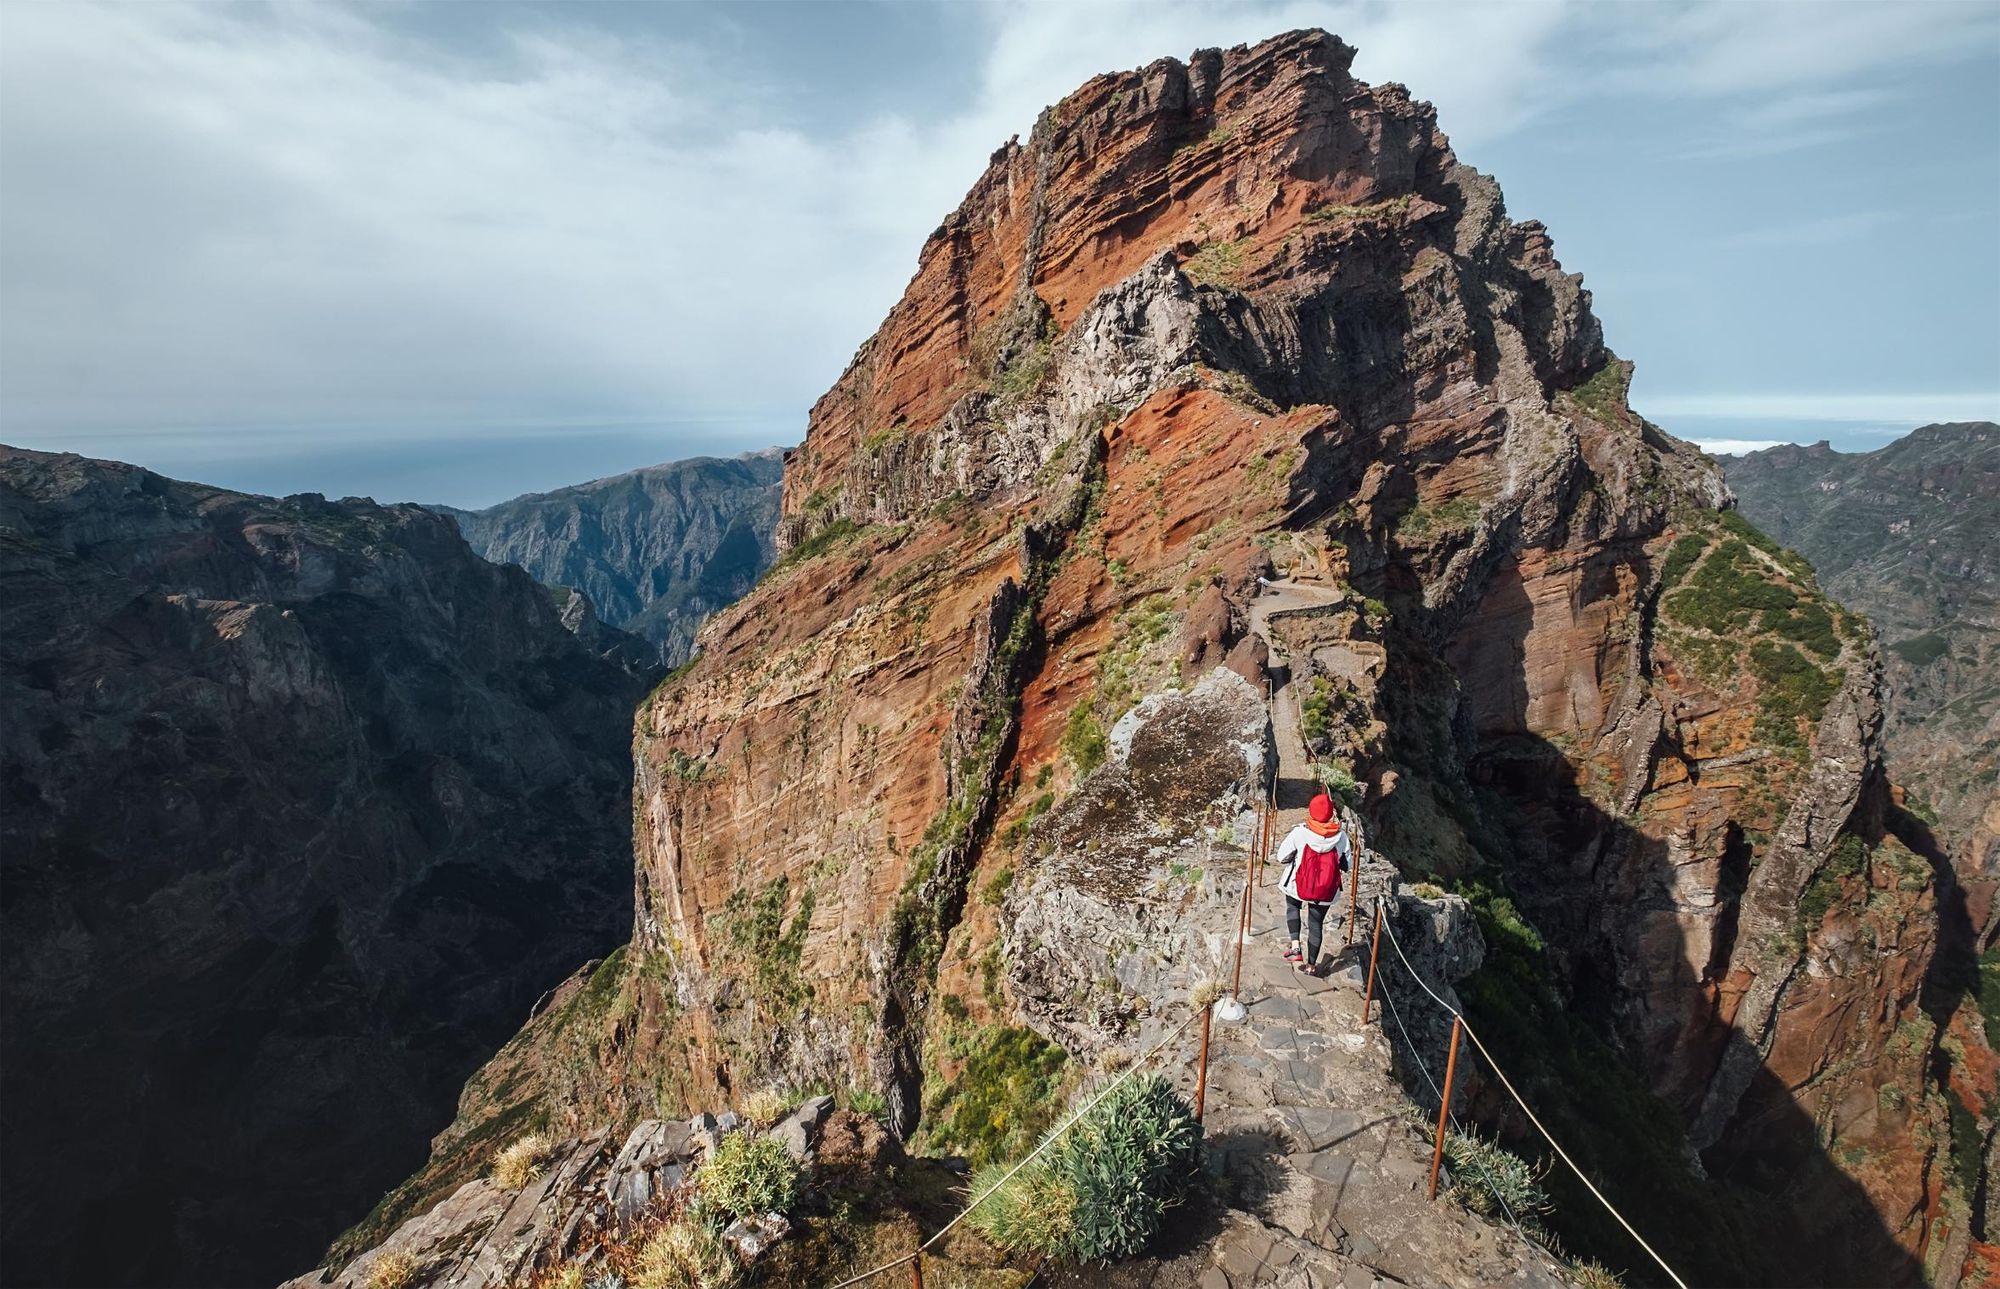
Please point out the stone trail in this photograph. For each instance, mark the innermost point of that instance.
(1323, 1158)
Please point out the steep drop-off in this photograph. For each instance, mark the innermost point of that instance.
(1213, 318)
(656, 550)
(304, 806)
(1909, 535)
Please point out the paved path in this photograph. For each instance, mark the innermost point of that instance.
(1324, 1159)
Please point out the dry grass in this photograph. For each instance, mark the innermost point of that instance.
(393, 1270)
(521, 1162)
(685, 1255)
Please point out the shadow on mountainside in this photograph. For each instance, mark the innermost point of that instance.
(1597, 995)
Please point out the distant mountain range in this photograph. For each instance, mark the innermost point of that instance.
(655, 551)
(1910, 536)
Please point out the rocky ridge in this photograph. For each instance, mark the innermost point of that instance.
(305, 805)
(1213, 319)
(655, 551)
(1904, 535)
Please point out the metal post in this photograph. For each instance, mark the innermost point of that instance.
(1201, 1072)
(917, 1270)
(1242, 929)
(1374, 952)
(1444, 1106)
(1353, 891)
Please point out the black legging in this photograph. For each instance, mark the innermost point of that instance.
(1315, 921)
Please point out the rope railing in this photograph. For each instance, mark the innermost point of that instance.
(1461, 1024)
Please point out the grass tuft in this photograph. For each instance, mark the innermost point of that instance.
(749, 1174)
(521, 1162)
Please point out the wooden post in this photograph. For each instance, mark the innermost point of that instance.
(1444, 1106)
(917, 1270)
(1201, 1071)
(1374, 952)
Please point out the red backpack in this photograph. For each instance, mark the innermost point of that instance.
(1318, 878)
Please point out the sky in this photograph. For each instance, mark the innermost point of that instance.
(460, 251)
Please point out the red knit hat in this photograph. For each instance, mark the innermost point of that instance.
(1321, 809)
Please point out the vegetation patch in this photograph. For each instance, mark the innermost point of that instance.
(1603, 395)
(1004, 1097)
(1687, 548)
(1849, 860)
(1923, 650)
(1217, 263)
(829, 536)
(1495, 1182)
(749, 1173)
(521, 1162)
(1103, 1191)
(754, 929)
(1422, 522)
(1388, 208)
(1791, 690)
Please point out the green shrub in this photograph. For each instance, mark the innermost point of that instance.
(1084, 741)
(1727, 591)
(1681, 557)
(1790, 688)
(1604, 393)
(1340, 781)
(1103, 1191)
(1316, 711)
(1003, 1098)
(1493, 1181)
(1809, 624)
(749, 1173)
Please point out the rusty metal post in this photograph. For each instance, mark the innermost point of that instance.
(1353, 891)
(1242, 930)
(917, 1270)
(1444, 1106)
(1374, 952)
(1201, 1071)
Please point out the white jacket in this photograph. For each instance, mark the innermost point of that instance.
(1288, 854)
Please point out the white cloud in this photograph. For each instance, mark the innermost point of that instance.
(275, 222)
(1907, 409)
(1734, 447)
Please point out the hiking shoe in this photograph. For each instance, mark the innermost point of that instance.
(1292, 954)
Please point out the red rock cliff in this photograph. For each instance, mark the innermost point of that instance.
(1212, 315)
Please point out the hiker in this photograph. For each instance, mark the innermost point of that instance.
(1313, 856)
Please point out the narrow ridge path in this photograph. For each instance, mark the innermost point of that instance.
(1324, 1159)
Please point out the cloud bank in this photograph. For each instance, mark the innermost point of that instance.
(261, 226)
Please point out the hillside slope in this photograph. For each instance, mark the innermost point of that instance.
(1909, 535)
(656, 550)
(1213, 320)
(305, 805)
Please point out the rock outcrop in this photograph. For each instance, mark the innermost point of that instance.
(1213, 319)
(655, 551)
(305, 805)
(1905, 535)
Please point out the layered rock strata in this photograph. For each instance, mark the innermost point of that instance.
(1211, 320)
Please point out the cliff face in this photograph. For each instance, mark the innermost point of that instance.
(656, 550)
(1210, 318)
(1905, 535)
(305, 805)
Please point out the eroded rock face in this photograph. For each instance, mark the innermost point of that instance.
(305, 805)
(1214, 318)
(1904, 534)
